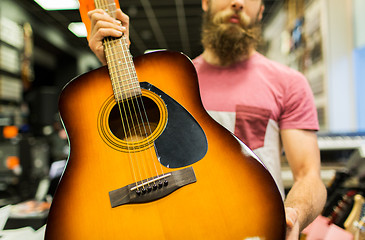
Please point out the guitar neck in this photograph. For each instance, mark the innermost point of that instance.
(119, 60)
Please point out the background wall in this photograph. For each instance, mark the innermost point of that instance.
(359, 60)
(331, 54)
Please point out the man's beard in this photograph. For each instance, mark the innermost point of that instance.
(230, 42)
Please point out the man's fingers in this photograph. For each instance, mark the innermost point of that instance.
(102, 26)
(291, 216)
(124, 18)
(106, 29)
(125, 22)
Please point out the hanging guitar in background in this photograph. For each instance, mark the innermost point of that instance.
(355, 222)
(27, 73)
(147, 161)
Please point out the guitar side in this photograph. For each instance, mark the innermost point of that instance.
(234, 196)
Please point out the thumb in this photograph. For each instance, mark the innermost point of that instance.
(291, 215)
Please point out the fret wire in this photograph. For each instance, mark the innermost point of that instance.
(115, 54)
(137, 91)
(117, 80)
(121, 74)
(120, 62)
(115, 43)
(129, 89)
(123, 80)
(112, 58)
(119, 43)
(128, 69)
(126, 76)
(126, 95)
(126, 84)
(125, 88)
(109, 8)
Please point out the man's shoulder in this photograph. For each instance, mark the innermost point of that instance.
(261, 59)
(198, 60)
(276, 68)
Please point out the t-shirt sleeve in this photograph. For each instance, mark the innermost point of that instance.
(299, 111)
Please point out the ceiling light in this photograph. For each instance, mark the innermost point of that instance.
(58, 4)
(78, 28)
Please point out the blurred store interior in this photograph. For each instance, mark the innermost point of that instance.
(39, 55)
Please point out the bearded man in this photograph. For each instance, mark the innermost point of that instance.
(268, 106)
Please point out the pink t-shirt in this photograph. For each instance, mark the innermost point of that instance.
(256, 98)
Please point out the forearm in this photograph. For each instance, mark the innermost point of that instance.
(307, 196)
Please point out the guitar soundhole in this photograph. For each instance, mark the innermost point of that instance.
(134, 119)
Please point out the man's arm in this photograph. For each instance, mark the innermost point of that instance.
(307, 196)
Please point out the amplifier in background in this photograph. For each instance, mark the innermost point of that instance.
(10, 168)
(34, 155)
(23, 164)
(43, 109)
(10, 171)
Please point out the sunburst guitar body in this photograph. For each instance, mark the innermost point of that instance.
(147, 162)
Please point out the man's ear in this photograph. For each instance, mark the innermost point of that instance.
(261, 12)
(205, 4)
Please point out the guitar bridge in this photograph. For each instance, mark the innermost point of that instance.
(153, 188)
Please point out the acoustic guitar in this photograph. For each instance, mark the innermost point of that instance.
(147, 162)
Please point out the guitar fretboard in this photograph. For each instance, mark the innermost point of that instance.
(120, 63)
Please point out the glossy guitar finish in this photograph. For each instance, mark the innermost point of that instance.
(232, 197)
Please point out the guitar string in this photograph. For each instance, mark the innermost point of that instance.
(106, 41)
(134, 76)
(131, 66)
(128, 133)
(140, 105)
(132, 73)
(150, 130)
(129, 96)
(126, 106)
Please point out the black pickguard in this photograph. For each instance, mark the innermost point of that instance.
(183, 142)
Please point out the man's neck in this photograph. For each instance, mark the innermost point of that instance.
(211, 58)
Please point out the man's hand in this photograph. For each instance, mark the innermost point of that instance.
(103, 25)
(292, 224)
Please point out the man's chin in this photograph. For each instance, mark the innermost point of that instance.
(230, 58)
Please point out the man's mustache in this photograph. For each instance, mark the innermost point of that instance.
(226, 16)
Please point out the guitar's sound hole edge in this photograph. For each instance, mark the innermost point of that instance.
(115, 142)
